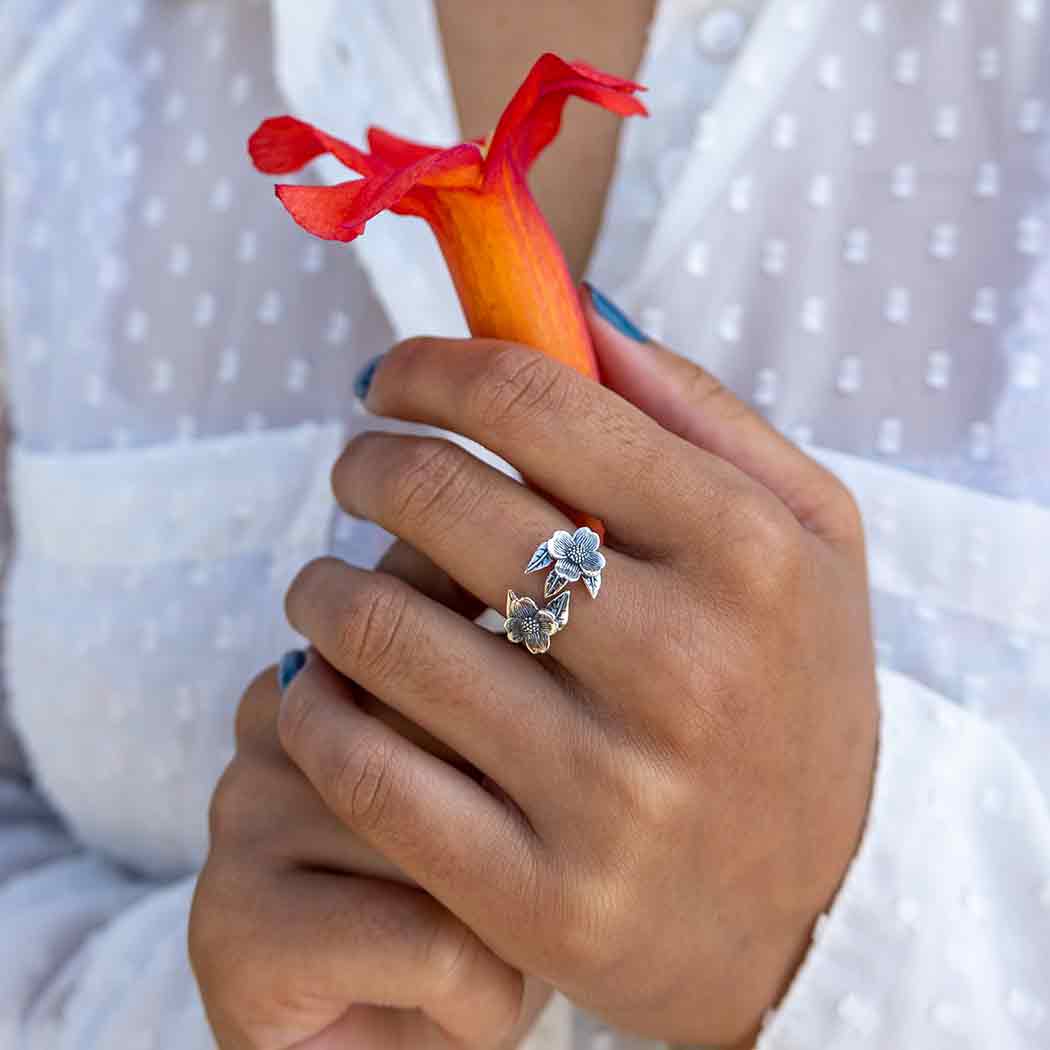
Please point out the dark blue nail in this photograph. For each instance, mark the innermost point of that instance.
(363, 382)
(291, 664)
(610, 312)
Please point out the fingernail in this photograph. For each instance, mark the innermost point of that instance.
(291, 664)
(363, 382)
(610, 312)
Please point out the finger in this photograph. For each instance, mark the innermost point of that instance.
(310, 835)
(461, 683)
(575, 439)
(294, 952)
(380, 1028)
(470, 850)
(365, 1027)
(482, 528)
(415, 568)
(693, 404)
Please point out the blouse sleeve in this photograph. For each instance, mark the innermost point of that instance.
(941, 930)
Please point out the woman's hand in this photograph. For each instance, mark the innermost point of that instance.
(674, 792)
(289, 941)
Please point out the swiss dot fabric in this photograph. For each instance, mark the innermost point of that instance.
(839, 206)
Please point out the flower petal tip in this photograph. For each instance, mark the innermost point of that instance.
(331, 212)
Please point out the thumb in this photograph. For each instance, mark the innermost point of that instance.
(690, 402)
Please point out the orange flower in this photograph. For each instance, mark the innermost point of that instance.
(507, 267)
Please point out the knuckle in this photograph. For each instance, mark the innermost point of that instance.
(769, 553)
(310, 581)
(227, 811)
(592, 937)
(377, 633)
(213, 913)
(205, 934)
(450, 955)
(247, 991)
(518, 388)
(705, 392)
(453, 960)
(843, 512)
(363, 784)
(434, 486)
(341, 475)
(256, 711)
(199, 938)
(658, 800)
(292, 718)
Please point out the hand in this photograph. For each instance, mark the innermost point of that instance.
(292, 947)
(674, 792)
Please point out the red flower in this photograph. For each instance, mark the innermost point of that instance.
(508, 269)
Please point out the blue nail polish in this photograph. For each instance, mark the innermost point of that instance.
(363, 382)
(291, 664)
(610, 312)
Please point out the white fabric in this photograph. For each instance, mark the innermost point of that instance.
(848, 223)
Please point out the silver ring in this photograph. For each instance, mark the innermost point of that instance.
(574, 556)
(529, 624)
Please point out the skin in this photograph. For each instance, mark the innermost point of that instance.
(746, 739)
(654, 814)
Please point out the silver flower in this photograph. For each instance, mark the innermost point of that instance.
(527, 622)
(574, 556)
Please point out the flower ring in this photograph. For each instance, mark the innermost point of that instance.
(527, 622)
(574, 556)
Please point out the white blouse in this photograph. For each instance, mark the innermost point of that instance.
(841, 207)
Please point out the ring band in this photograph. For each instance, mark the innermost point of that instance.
(574, 556)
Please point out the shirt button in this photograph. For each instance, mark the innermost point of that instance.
(722, 33)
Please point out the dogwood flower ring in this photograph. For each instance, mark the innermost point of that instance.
(574, 557)
(527, 623)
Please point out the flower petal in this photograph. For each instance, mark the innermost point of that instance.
(283, 144)
(339, 213)
(396, 152)
(524, 607)
(593, 584)
(540, 560)
(568, 569)
(586, 539)
(336, 213)
(548, 621)
(533, 116)
(560, 544)
(539, 645)
(592, 564)
(554, 583)
(512, 627)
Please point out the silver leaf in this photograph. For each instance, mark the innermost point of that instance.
(560, 607)
(555, 582)
(540, 560)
